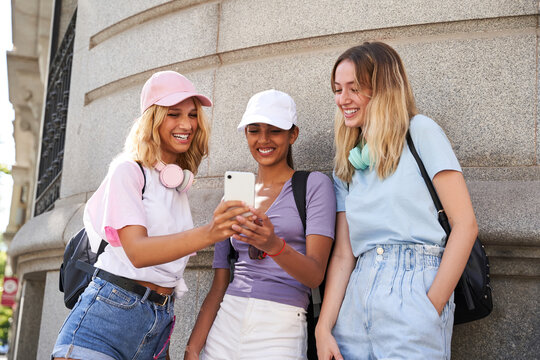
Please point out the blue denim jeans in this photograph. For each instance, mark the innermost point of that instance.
(386, 313)
(109, 323)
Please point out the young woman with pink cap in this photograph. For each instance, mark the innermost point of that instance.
(261, 313)
(141, 210)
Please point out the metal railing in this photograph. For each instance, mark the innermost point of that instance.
(54, 124)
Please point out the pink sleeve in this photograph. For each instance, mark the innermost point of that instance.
(118, 201)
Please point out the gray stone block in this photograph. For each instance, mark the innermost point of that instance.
(311, 92)
(283, 20)
(510, 332)
(29, 313)
(174, 37)
(52, 317)
(94, 16)
(523, 173)
(507, 211)
(479, 91)
(43, 232)
(204, 197)
(95, 135)
(187, 308)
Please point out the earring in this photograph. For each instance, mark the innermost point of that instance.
(173, 176)
(359, 156)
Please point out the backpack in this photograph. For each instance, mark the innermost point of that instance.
(299, 186)
(77, 268)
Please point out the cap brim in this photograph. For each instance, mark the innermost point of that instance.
(254, 119)
(176, 98)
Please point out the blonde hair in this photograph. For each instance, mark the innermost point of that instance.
(377, 67)
(143, 142)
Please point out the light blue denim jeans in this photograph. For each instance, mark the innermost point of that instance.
(110, 323)
(386, 313)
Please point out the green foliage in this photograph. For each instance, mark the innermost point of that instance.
(3, 258)
(5, 321)
(4, 169)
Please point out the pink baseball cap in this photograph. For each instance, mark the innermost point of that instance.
(167, 88)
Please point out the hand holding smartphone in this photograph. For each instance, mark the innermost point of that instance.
(240, 185)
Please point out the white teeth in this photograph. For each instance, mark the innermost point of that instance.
(181, 136)
(350, 111)
(266, 151)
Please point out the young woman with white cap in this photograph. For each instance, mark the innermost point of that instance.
(141, 210)
(389, 287)
(262, 311)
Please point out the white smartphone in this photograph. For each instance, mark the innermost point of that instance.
(240, 185)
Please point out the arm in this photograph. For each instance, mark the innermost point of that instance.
(454, 196)
(341, 266)
(308, 269)
(207, 314)
(143, 250)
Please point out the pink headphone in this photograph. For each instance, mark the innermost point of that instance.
(172, 176)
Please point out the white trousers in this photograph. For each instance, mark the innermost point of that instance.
(247, 328)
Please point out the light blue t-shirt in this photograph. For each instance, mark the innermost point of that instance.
(398, 209)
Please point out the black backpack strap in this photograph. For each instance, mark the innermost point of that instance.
(144, 177)
(299, 189)
(89, 268)
(102, 247)
(299, 186)
(232, 258)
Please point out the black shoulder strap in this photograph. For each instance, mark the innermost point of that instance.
(144, 176)
(443, 219)
(102, 246)
(299, 186)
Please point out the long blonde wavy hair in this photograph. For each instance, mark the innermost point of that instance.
(143, 142)
(378, 67)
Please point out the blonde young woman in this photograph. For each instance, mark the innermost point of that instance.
(389, 288)
(141, 209)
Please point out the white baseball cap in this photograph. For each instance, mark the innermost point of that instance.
(271, 107)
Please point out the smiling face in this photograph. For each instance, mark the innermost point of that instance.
(177, 130)
(268, 144)
(349, 98)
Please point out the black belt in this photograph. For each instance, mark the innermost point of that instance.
(133, 286)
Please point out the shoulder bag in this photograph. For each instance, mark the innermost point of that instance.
(472, 295)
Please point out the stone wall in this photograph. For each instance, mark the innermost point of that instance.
(473, 67)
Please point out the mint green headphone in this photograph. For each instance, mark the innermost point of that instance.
(359, 156)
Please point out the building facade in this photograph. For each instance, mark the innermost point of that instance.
(75, 76)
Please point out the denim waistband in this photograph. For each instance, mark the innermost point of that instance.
(166, 306)
(411, 255)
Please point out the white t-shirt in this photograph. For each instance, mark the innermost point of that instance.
(118, 203)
